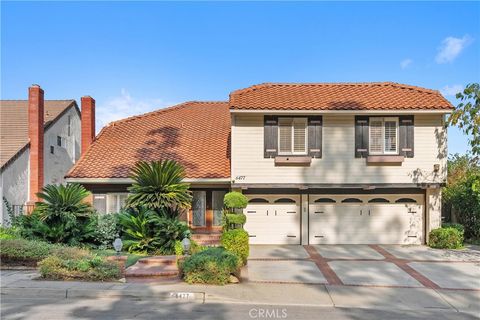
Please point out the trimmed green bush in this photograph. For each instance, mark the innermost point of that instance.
(210, 266)
(235, 200)
(22, 252)
(236, 241)
(92, 268)
(236, 218)
(445, 238)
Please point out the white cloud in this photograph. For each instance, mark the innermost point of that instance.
(125, 106)
(451, 90)
(406, 63)
(451, 47)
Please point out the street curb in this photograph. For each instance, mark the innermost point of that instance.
(46, 293)
(183, 296)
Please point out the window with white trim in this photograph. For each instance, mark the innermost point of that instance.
(292, 136)
(116, 201)
(383, 135)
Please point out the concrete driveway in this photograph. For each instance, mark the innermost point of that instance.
(365, 265)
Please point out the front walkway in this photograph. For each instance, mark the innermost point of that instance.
(366, 265)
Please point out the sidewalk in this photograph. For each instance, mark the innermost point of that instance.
(22, 284)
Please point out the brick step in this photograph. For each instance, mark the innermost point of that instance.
(206, 237)
(159, 260)
(154, 280)
(208, 242)
(139, 270)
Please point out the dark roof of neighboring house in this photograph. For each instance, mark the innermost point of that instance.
(337, 96)
(14, 124)
(196, 134)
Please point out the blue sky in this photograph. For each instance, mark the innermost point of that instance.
(137, 57)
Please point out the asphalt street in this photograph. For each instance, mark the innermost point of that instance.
(128, 308)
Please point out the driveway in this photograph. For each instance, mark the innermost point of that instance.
(365, 265)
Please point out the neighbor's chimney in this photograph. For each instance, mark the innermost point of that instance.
(35, 134)
(88, 122)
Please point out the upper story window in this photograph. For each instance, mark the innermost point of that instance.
(292, 136)
(383, 135)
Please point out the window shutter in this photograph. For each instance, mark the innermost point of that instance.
(270, 139)
(406, 139)
(361, 136)
(315, 124)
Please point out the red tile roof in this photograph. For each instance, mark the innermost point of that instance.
(14, 124)
(337, 96)
(197, 134)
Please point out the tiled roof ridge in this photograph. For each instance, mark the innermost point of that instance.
(162, 110)
(311, 84)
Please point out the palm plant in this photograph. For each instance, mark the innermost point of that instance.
(145, 231)
(158, 184)
(63, 216)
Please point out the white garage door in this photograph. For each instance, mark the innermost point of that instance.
(273, 219)
(373, 219)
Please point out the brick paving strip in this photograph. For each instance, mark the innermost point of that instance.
(403, 264)
(322, 264)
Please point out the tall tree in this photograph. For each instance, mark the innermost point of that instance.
(467, 115)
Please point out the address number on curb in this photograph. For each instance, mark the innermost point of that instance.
(182, 295)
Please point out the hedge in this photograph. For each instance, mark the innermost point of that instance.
(445, 238)
(236, 241)
(22, 252)
(91, 268)
(210, 266)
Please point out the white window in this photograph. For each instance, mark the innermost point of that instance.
(115, 202)
(383, 135)
(292, 136)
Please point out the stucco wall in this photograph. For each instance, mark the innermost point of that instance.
(14, 182)
(63, 157)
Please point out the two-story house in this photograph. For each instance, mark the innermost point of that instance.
(320, 163)
(40, 140)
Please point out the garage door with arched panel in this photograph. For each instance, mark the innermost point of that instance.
(361, 219)
(273, 219)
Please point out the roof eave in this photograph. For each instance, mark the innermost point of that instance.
(309, 111)
(129, 180)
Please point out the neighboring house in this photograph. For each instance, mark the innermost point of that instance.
(320, 163)
(39, 142)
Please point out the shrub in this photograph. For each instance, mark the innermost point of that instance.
(92, 267)
(235, 220)
(62, 217)
(106, 230)
(145, 231)
(29, 252)
(235, 200)
(211, 266)
(457, 226)
(195, 247)
(178, 248)
(445, 238)
(236, 241)
(24, 252)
